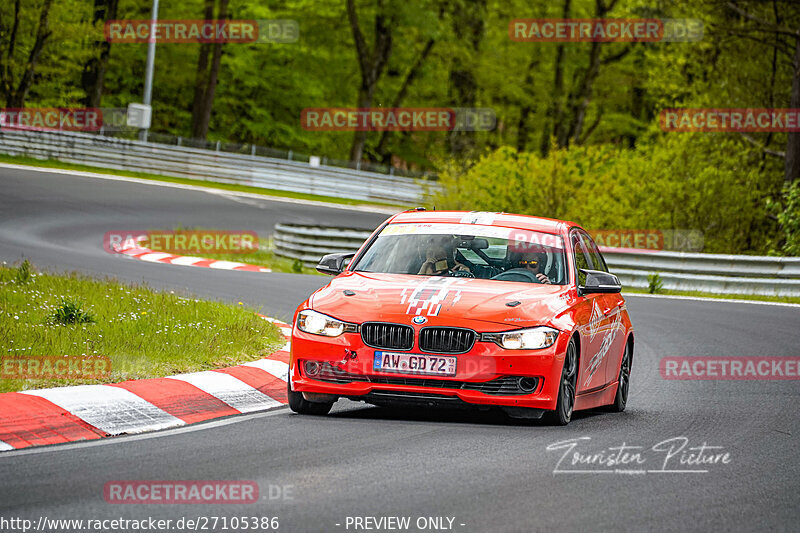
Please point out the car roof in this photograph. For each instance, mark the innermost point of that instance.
(545, 225)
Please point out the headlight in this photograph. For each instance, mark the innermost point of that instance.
(523, 339)
(319, 324)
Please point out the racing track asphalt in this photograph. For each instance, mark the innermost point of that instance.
(490, 473)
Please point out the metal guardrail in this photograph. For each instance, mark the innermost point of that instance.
(713, 273)
(225, 167)
(309, 243)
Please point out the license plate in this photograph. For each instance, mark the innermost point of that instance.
(409, 363)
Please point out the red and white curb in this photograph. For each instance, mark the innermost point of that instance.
(144, 254)
(84, 412)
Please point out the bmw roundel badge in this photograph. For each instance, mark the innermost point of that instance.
(419, 320)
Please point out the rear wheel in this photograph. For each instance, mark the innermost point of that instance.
(624, 382)
(566, 390)
(300, 405)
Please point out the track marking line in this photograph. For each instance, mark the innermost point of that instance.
(702, 299)
(122, 439)
(365, 208)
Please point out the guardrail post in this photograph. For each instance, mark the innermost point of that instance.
(290, 155)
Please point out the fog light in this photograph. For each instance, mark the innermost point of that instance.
(311, 368)
(527, 384)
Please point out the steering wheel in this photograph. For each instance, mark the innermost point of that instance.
(517, 274)
(460, 274)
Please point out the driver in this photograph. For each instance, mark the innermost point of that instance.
(534, 262)
(439, 255)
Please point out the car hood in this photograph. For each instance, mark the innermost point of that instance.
(467, 302)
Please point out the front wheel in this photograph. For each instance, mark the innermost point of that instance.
(566, 390)
(300, 405)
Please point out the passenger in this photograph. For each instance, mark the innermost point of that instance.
(439, 256)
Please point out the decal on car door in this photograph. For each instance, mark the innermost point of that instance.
(605, 345)
(595, 320)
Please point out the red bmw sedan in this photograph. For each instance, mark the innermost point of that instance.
(466, 309)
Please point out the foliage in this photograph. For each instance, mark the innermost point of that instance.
(71, 312)
(687, 181)
(144, 333)
(654, 283)
(23, 273)
(789, 220)
(617, 170)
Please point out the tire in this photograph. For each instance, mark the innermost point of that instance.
(624, 380)
(566, 389)
(301, 406)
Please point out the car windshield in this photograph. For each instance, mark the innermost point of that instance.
(467, 250)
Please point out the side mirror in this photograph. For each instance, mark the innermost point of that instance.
(598, 281)
(333, 264)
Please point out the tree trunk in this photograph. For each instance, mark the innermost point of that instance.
(201, 105)
(94, 71)
(42, 34)
(468, 24)
(582, 98)
(556, 109)
(792, 164)
(365, 94)
(526, 109)
(401, 95)
(7, 81)
(211, 86)
(371, 63)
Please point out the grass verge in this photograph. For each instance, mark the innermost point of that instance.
(143, 333)
(53, 163)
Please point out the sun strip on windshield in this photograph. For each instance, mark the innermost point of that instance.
(526, 237)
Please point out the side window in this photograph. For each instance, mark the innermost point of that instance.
(581, 258)
(594, 253)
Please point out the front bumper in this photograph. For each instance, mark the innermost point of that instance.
(478, 374)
